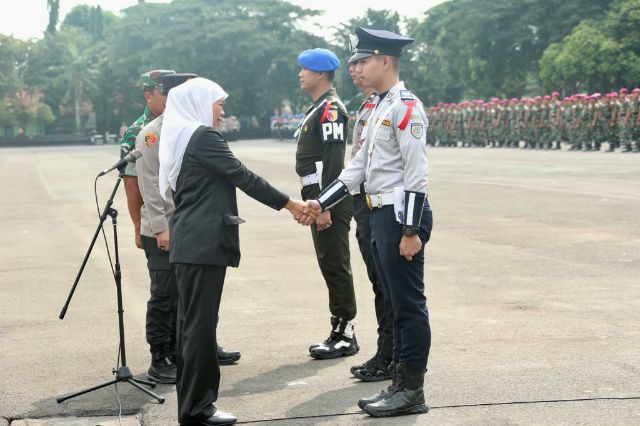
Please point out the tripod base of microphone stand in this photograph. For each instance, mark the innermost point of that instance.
(123, 375)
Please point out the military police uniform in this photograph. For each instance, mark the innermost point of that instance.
(393, 162)
(320, 155)
(377, 368)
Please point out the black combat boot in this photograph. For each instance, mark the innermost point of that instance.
(343, 343)
(227, 357)
(408, 398)
(335, 322)
(375, 371)
(163, 368)
(366, 363)
(385, 393)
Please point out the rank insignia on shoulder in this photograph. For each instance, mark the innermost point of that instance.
(150, 139)
(406, 95)
(417, 130)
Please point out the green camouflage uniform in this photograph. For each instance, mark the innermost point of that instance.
(128, 142)
(624, 124)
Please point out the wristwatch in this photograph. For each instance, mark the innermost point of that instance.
(409, 231)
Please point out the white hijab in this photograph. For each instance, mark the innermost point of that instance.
(189, 106)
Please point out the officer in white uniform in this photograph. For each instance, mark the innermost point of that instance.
(393, 162)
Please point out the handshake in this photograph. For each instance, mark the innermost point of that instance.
(305, 213)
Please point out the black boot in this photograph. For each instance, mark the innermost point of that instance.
(408, 399)
(376, 371)
(385, 393)
(366, 363)
(227, 357)
(335, 322)
(163, 369)
(343, 343)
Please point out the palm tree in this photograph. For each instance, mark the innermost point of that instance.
(77, 71)
(53, 7)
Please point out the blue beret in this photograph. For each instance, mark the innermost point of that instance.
(319, 60)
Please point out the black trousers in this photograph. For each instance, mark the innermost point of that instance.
(198, 377)
(403, 282)
(163, 302)
(362, 215)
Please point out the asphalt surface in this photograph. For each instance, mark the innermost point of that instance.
(533, 278)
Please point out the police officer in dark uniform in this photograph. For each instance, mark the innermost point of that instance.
(319, 160)
(393, 162)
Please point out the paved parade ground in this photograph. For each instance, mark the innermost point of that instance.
(533, 282)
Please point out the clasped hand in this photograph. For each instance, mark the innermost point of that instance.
(304, 213)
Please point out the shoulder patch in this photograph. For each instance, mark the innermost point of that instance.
(406, 95)
(150, 139)
(417, 130)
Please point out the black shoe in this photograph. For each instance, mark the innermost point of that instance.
(408, 398)
(403, 402)
(335, 322)
(343, 344)
(163, 371)
(366, 364)
(385, 393)
(219, 418)
(374, 372)
(227, 357)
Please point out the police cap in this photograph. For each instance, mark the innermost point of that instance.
(172, 80)
(367, 42)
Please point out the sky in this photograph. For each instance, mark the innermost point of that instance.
(28, 18)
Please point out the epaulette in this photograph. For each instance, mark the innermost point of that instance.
(406, 95)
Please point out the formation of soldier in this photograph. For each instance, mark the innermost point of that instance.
(284, 126)
(584, 122)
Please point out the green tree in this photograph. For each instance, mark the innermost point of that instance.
(378, 19)
(485, 48)
(53, 6)
(599, 55)
(14, 57)
(249, 47)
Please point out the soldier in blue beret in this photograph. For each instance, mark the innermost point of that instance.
(393, 163)
(319, 160)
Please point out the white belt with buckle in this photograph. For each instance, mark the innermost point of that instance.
(311, 179)
(380, 200)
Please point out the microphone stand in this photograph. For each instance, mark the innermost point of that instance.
(123, 374)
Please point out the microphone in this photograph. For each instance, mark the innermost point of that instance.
(129, 158)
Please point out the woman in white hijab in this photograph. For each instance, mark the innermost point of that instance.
(197, 164)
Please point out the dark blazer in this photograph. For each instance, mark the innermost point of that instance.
(204, 228)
